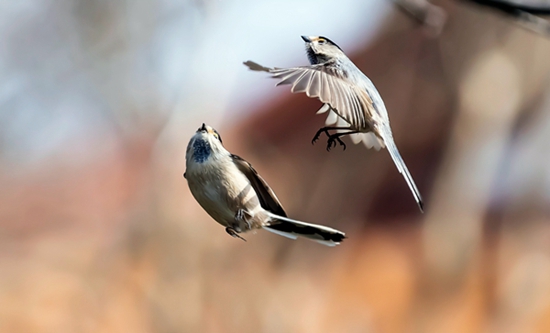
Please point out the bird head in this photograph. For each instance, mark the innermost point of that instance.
(321, 49)
(209, 132)
(206, 143)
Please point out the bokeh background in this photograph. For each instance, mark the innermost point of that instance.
(99, 232)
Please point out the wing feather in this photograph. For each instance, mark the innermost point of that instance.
(291, 77)
(325, 88)
(336, 95)
(331, 86)
(323, 109)
(268, 199)
(332, 118)
(302, 83)
(314, 86)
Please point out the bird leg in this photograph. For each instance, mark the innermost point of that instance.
(336, 136)
(325, 130)
(331, 142)
(242, 216)
(333, 138)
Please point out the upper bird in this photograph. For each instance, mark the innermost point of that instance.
(345, 90)
(234, 194)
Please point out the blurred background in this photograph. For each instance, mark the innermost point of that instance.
(98, 229)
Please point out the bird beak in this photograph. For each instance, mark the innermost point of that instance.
(306, 39)
(203, 127)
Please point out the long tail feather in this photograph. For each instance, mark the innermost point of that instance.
(292, 229)
(400, 164)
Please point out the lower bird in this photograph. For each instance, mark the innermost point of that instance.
(352, 99)
(234, 194)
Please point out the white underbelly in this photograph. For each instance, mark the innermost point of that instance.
(222, 195)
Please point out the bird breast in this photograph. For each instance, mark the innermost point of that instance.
(221, 189)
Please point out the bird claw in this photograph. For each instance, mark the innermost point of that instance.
(242, 216)
(331, 143)
(316, 137)
(233, 233)
(239, 215)
(342, 143)
(332, 138)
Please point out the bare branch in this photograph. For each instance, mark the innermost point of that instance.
(514, 8)
(525, 14)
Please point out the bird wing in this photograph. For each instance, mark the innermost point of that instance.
(350, 101)
(329, 83)
(268, 199)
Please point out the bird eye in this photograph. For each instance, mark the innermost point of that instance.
(321, 41)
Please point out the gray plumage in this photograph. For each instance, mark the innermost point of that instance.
(233, 193)
(335, 80)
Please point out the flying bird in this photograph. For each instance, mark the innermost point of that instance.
(234, 194)
(352, 99)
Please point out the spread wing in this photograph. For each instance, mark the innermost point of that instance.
(350, 101)
(328, 83)
(268, 199)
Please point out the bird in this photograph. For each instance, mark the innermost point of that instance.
(230, 190)
(354, 103)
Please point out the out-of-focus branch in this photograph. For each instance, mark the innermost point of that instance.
(434, 17)
(514, 8)
(524, 13)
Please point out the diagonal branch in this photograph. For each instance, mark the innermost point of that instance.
(514, 8)
(525, 14)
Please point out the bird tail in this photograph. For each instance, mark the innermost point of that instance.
(400, 164)
(286, 227)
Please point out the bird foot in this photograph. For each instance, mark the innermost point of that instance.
(242, 216)
(332, 138)
(331, 143)
(233, 233)
(318, 134)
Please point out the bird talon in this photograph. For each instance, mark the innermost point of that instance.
(315, 138)
(241, 216)
(341, 143)
(233, 233)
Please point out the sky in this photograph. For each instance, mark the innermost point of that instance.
(69, 70)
